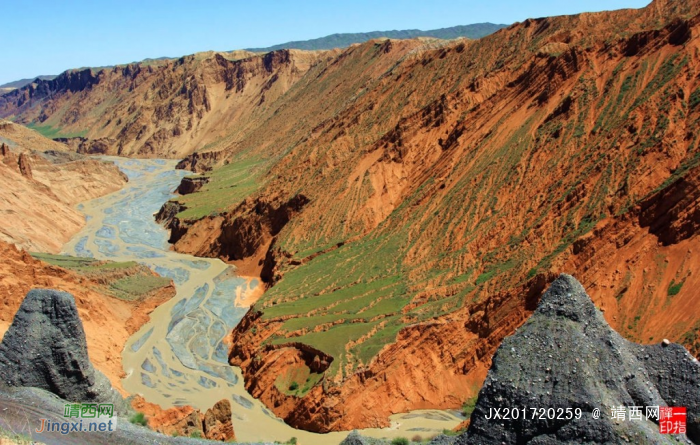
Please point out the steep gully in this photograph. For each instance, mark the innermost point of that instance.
(180, 356)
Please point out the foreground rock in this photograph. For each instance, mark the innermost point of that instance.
(355, 438)
(566, 356)
(45, 348)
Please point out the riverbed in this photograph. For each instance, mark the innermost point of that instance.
(179, 357)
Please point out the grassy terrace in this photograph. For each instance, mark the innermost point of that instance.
(126, 280)
(345, 294)
(55, 132)
(360, 293)
(228, 185)
(65, 261)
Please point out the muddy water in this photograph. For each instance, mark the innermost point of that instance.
(179, 357)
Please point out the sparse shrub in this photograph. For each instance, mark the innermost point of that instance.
(450, 433)
(417, 438)
(399, 441)
(468, 407)
(674, 288)
(139, 419)
(196, 434)
(694, 99)
(484, 277)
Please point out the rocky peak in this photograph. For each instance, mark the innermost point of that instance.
(273, 59)
(567, 356)
(71, 80)
(45, 348)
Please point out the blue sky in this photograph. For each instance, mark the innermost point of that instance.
(48, 37)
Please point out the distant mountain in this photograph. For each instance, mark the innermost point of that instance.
(22, 82)
(474, 31)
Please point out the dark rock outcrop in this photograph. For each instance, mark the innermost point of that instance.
(99, 146)
(354, 438)
(167, 213)
(442, 439)
(167, 216)
(201, 162)
(45, 348)
(190, 184)
(243, 234)
(567, 356)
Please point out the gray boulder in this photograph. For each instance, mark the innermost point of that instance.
(354, 438)
(45, 348)
(443, 439)
(567, 356)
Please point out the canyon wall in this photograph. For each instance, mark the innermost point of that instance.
(165, 110)
(42, 184)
